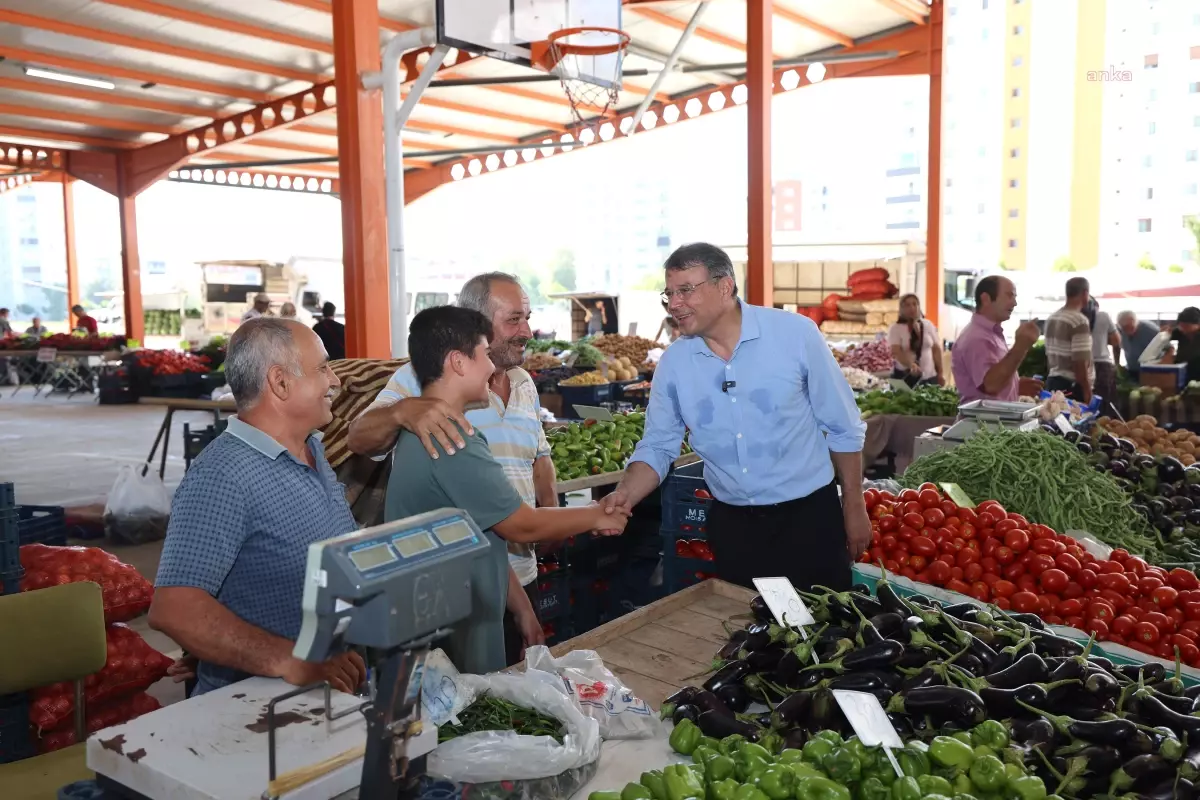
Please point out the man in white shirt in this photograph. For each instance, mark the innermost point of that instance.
(261, 307)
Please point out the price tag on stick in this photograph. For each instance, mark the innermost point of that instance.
(870, 722)
(786, 606)
(47, 355)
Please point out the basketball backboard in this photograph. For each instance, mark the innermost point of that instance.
(505, 29)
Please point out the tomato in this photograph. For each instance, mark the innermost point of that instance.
(1114, 598)
(1097, 626)
(923, 546)
(701, 549)
(956, 572)
(1184, 579)
(1067, 563)
(1116, 581)
(990, 578)
(1046, 604)
(1047, 546)
(1137, 565)
(911, 508)
(888, 522)
(1004, 554)
(1120, 554)
(891, 565)
(956, 585)
(1017, 541)
(1041, 532)
(989, 564)
(1024, 602)
(887, 541)
(1022, 523)
(939, 572)
(914, 520)
(967, 514)
(1075, 622)
(1003, 588)
(1189, 654)
(1054, 580)
(928, 486)
(908, 495)
(1148, 584)
(972, 544)
(947, 559)
(1165, 650)
(871, 497)
(992, 507)
(968, 531)
(929, 498)
(967, 556)
(1086, 578)
(683, 549)
(972, 572)
(1110, 567)
(990, 546)
(1002, 603)
(918, 562)
(1040, 563)
(908, 572)
(980, 591)
(1027, 583)
(1005, 525)
(1192, 610)
(1175, 613)
(953, 545)
(1069, 608)
(1100, 609)
(987, 520)
(905, 533)
(1160, 621)
(934, 517)
(1165, 596)
(1014, 571)
(1053, 619)
(949, 508)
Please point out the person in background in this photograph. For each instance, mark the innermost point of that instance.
(449, 351)
(1069, 345)
(5, 325)
(332, 333)
(260, 308)
(231, 575)
(774, 421)
(597, 319)
(510, 418)
(1106, 352)
(36, 328)
(1135, 338)
(1186, 336)
(984, 366)
(83, 321)
(916, 346)
(287, 311)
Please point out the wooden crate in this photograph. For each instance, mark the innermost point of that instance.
(655, 649)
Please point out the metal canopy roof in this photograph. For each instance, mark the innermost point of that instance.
(181, 65)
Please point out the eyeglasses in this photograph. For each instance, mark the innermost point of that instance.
(684, 291)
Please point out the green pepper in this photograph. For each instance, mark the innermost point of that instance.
(1013, 771)
(747, 764)
(964, 737)
(821, 789)
(983, 750)
(771, 742)
(963, 785)
(950, 752)
(710, 742)
(702, 753)
(816, 748)
(682, 783)
(685, 738)
(604, 796)
(987, 773)
(906, 788)
(790, 756)
(912, 761)
(730, 744)
(723, 790)
(842, 765)
(749, 792)
(776, 782)
(635, 791)
(653, 780)
(990, 733)
(932, 784)
(858, 749)
(802, 770)
(1028, 787)
(872, 789)
(717, 767)
(832, 737)
(755, 749)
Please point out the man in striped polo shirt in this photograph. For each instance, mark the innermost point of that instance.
(511, 423)
(1069, 345)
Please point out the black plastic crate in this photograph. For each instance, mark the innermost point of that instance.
(10, 580)
(15, 742)
(115, 389)
(686, 501)
(42, 525)
(10, 541)
(554, 596)
(8, 497)
(584, 396)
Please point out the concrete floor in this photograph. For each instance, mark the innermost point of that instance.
(67, 452)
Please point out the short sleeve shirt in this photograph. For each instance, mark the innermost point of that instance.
(899, 334)
(241, 523)
(1068, 338)
(980, 347)
(1101, 350)
(473, 481)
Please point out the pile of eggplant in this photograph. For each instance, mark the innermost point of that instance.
(1086, 726)
(1162, 490)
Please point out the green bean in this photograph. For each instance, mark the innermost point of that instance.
(489, 713)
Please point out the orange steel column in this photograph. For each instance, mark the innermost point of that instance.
(933, 225)
(68, 187)
(360, 167)
(760, 269)
(131, 264)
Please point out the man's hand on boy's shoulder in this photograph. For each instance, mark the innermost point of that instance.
(431, 418)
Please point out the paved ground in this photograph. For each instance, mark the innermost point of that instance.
(68, 452)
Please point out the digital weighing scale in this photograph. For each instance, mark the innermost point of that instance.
(992, 414)
(391, 590)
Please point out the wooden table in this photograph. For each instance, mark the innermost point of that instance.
(173, 404)
(611, 478)
(655, 649)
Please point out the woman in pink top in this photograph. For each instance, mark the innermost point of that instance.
(916, 345)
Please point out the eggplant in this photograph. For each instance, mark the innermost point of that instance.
(795, 739)
(926, 677)
(734, 696)
(1029, 668)
(1170, 789)
(1151, 672)
(1101, 759)
(942, 702)
(917, 658)
(767, 658)
(682, 697)
(718, 726)
(1182, 503)
(967, 611)
(1032, 620)
(869, 681)
(1189, 765)
(1170, 469)
(1126, 446)
(758, 636)
(1050, 645)
(887, 623)
(760, 609)
(730, 649)
(1114, 732)
(881, 655)
(1141, 772)
(1107, 441)
(788, 667)
(1167, 491)
(1035, 733)
(791, 711)
(733, 672)
(1180, 705)
(888, 598)
(1084, 448)
(1003, 703)
(707, 701)
(826, 714)
(685, 712)
(1100, 684)
(1139, 744)
(1156, 711)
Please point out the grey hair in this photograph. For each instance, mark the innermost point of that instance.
(257, 345)
(701, 254)
(1124, 315)
(476, 294)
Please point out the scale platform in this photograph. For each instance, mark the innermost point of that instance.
(991, 413)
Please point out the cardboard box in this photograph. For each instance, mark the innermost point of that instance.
(1170, 378)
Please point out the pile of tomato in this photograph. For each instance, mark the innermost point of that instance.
(171, 362)
(693, 548)
(998, 557)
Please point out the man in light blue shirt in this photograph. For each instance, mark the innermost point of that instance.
(773, 418)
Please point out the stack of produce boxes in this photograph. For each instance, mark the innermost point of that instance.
(687, 558)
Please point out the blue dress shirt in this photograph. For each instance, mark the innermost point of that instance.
(767, 438)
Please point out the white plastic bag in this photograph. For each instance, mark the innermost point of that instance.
(138, 508)
(489, 756)
(600, 694)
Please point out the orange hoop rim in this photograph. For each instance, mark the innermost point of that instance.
(554, 41)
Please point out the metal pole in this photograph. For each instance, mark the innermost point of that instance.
(421, 83)
(668, 65)
(388, 79)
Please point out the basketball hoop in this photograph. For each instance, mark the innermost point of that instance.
(576, 56)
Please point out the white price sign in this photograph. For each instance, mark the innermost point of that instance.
(1062, 423)
(870, 722)
(783, 600)
(46, 355)
(568, 358)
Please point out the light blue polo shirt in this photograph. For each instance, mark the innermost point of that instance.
(241, 523)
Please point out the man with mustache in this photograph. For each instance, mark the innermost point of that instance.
(231, 576)
(511, 423)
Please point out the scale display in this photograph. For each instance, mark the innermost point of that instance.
(415, 544)
(454, 532)
(371, 557)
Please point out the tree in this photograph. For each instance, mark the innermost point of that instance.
(1064, 264)
(26, 310)
(1175, 268)
(562, 269)
(101, 283)
(1145, 263)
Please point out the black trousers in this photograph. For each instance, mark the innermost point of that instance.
(1065, 385)
(513, 643)
(803, 540)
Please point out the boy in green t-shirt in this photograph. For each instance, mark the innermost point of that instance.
(448, 347)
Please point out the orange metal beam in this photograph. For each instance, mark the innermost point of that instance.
(933, 223)
(360, 145)
(101, 69)
(148, 45)
(223, 24)
(131, 264)
(449, 105)
(814, 26)
(325, 8)
(55, 136)
(760, 72)
(904, 10)
(101, 96)
(321, 130)
(85, 119)
(68, 190)
(487, 136)
(678, 24)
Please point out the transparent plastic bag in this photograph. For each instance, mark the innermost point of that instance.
(887, 485)
(489, 756)
(620, 713)
(138, 508)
